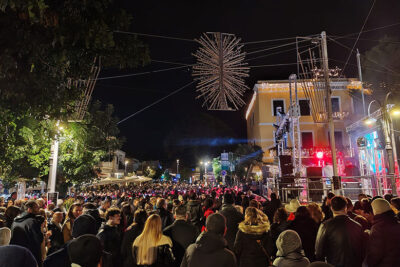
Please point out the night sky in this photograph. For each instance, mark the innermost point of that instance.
(162, 131)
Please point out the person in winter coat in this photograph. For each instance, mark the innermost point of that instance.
(253, 245)
(210, 247)
(110, 236)
(384, 241)
(130, 235)
(181, 233)
(290, 252)
(194, 211)
(279, 225)
(151, 247)
(166, 216)
(233, 218)
(74, 212)
(27, 230)
(340, 240)
(56, 238)
(307, 229)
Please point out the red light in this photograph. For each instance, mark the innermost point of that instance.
(320, 155)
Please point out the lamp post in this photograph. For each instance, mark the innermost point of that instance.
(177, 166)
(126, 164)
(51, 184)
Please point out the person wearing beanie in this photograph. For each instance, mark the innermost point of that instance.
(340, 240)
(384, 242)
(85, 251)
(290, 251)
(233, 218)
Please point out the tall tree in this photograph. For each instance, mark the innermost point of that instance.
(48, 43)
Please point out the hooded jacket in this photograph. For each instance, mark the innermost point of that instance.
(252, 241)
(233, 218)
(26, 232)
(290, 251)
(210, 251)
(384, 244)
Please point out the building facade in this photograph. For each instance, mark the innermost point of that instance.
(271, 99)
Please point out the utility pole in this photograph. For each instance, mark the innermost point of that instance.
(361, 80)
(51, 184)
(329, 109)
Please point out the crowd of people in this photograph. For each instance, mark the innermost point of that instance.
(190, 226)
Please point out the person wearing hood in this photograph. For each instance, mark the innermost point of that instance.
(13, 255)
(253, 245)
(290, 251)
(110, 236)
(384, 244)
(233, 218)
(210, 247)
(27, 230)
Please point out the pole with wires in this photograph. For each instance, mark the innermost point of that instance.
(361, 80)
(331, 125)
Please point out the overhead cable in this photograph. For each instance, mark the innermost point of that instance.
(156, 102)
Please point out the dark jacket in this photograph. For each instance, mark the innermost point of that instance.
(26, 232)
(210, 251)
(233, 218)
(166, 217)
(271, 207)
(16, 256)
(182, 235)
(127, 242)
(252, 243)
(384, 243)
(195, 213)
(60, 258)
(341, 241)
(307, 229)
(56, 238)
(111, 240)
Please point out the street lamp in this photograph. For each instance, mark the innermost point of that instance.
(126, 164)
(177, 166)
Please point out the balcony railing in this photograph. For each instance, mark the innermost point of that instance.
(311, 152)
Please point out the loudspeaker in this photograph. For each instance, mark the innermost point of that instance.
(286, 165)
(314, 171)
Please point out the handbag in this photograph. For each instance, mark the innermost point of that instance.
(265, 252)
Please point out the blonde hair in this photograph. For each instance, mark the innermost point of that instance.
(147, 241)
(254, 216)
(5, 236)
(316, 212)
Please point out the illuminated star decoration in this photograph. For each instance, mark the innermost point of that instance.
(220, 71)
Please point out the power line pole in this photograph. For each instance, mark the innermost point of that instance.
(361, 80)
(329, 107)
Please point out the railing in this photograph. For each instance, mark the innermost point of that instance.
(310, 152)
(315, 189)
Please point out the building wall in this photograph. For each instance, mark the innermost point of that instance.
(260, 117)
